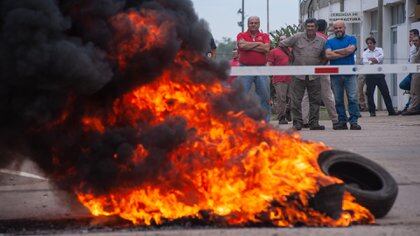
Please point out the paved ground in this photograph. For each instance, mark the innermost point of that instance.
(394, 142)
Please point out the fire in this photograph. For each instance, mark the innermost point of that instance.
(93, 123)
(231, 166)
(139, 32)
(225, 164)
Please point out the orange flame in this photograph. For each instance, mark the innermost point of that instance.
(230, 165)
(144, 33)
(93, 124)
(225, 168)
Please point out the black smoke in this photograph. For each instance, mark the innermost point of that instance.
(56, 60)
(41, 67)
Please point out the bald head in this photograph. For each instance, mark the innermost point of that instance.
(253, 24)
(339, 23)
(253, 18)
(339, 28)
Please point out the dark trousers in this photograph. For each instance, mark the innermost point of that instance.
(378, 80)
(297, 90)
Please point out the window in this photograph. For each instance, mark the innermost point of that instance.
(374, 24)
(398, 14)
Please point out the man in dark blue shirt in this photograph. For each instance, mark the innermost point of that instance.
(340, 51)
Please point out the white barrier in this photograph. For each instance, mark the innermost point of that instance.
(325, 70)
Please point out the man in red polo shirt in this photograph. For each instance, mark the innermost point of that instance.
(253, 47)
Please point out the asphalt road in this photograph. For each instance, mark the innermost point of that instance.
(393, 142)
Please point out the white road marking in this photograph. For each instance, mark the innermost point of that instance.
(21, 173)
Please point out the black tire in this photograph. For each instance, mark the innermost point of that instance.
(371, 185)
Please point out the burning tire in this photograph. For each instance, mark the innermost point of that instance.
(371, 185)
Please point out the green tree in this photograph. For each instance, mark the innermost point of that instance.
(287, 31)
(224, 49)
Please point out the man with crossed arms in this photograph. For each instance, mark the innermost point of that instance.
(253, 47)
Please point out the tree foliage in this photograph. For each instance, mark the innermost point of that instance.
(287, 31)
(224, 49)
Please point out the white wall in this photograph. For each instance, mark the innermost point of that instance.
(392, 1)
(353, 5)
(335, 7)
(415, 25)
(323, 13)
(366, 27)
(387, 34)
(369, 4)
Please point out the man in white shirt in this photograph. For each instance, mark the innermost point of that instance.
(375, 55)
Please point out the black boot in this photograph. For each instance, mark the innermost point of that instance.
(317, 127)
(392, 113)
(282, 120)
(355, 126)
(340, 126)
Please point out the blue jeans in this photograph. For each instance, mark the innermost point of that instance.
(262, 89)
(348, 83)
(406, 85)
(406, 82)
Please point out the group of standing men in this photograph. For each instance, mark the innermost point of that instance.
(308, 48)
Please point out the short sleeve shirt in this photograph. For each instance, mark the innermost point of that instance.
(279, 58)
(413, 51)
(416, 57)
(340, 43)
(251, 57)
(306, 51)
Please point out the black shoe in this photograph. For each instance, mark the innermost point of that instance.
(355, 126)
(317, 127)
(411, 113)
(340, 126)
(401, 112)
(372, 114)
(283, 121)
(297, 126)
(393, 113)
(305, 126)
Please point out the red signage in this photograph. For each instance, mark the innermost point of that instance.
(326, 70)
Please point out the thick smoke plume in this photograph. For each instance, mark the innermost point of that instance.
(62, 60)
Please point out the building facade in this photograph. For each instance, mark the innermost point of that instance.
(399, 17)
